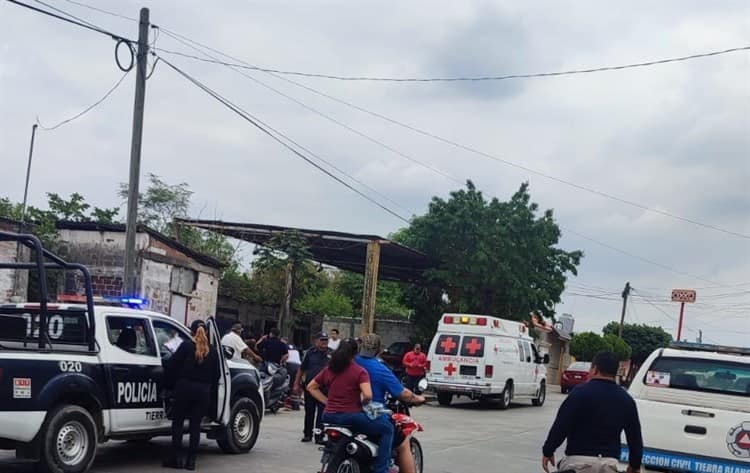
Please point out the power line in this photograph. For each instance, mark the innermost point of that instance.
(87, 109)
(106, 12)
(276, 73)
(81, 23)
(245, 65)
(318, 112)
(668, 268)
(480, 78)
(255, 122)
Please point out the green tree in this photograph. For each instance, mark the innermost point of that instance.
(643, 339)
(497, 258)
(618, 346)
(326, 302)
(585, 345)
(389, 295)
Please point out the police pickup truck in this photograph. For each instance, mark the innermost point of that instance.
(73, 376)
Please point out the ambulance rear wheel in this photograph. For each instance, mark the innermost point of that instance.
(539, 400)
(444, 399)
(506, 396)
(68, 440)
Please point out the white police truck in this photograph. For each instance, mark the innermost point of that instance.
(74, 376)
(694, 404)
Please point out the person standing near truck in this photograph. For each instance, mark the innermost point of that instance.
(415, 363)
(193, 370)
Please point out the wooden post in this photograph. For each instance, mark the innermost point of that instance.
(371, 288)
(285, 314)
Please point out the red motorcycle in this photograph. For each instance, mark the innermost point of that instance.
(346, 451)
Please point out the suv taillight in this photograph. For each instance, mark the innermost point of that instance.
(488, 371)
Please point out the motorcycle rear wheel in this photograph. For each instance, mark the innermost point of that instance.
(416, 452)
(347, 465)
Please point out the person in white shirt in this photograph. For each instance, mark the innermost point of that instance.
(334, 341)
(234, 340)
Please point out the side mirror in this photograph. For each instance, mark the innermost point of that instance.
(422, 385)
(545, 359)
(228, 352)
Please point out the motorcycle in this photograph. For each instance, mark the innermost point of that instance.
(275, 381)
(346, 451)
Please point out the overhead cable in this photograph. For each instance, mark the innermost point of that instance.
(253, 121)
(85, 110)
(479, 78)
(82, 24)
(242, 64)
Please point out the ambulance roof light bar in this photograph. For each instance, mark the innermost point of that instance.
(465, 320)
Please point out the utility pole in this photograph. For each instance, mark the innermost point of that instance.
(28, 175)
(129, 286)
(625, 294)
(369, 299)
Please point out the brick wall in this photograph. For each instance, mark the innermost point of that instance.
(108, 286)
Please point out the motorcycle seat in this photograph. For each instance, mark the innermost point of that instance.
(344, 429)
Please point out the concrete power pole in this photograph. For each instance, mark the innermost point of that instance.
(129, 284)
(625, 294)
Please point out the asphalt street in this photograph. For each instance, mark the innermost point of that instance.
(464, 437)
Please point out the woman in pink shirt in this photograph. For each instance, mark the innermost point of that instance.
(348, 387)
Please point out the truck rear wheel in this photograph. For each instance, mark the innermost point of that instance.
(444, 399)
(240, 435)
(68, 440)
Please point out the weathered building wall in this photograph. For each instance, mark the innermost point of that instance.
(8, 253)
(389, 330)
(163, 271)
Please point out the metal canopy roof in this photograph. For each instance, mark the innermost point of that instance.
(342, 250)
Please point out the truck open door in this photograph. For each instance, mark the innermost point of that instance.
(224, 391)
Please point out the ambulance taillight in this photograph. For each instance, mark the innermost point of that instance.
(427, 366)
(488, 371)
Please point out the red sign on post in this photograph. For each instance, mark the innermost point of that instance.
(683, 295)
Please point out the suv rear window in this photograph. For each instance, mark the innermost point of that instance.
(699, 374)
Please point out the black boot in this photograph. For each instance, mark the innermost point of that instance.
(190, 463)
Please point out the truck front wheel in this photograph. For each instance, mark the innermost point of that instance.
(240, 435)
(68, 440)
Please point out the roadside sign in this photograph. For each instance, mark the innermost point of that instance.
(683, 295)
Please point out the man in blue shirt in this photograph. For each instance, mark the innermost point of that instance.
(384, 381)
(592, 419)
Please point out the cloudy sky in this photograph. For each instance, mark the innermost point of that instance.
(672, 137)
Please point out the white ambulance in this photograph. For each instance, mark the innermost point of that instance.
(485, 357)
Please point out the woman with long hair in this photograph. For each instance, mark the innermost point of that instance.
(193, 370)
(348, 387)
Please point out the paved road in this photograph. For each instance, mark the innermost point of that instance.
(462, 438)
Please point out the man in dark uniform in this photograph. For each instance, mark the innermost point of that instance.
(315, 359)
(272, 348)
(591, 419)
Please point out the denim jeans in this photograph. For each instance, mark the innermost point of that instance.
(379, 430)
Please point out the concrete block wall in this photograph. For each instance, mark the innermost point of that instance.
(7, 276)
(389, 330)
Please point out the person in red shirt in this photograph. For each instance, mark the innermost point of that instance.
(348, 387)
(415, 363)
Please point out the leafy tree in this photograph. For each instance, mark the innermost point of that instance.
(161, 203)
(389, 295)
(618, 346)
(496, 257)
(585, 345)
(643, 339)
(326, 302)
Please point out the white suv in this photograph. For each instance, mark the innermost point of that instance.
(694, 405)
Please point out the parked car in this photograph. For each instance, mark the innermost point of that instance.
(393, 356)
(576, 374)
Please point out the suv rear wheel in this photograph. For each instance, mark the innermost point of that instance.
(68, 440)
(240, 435)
